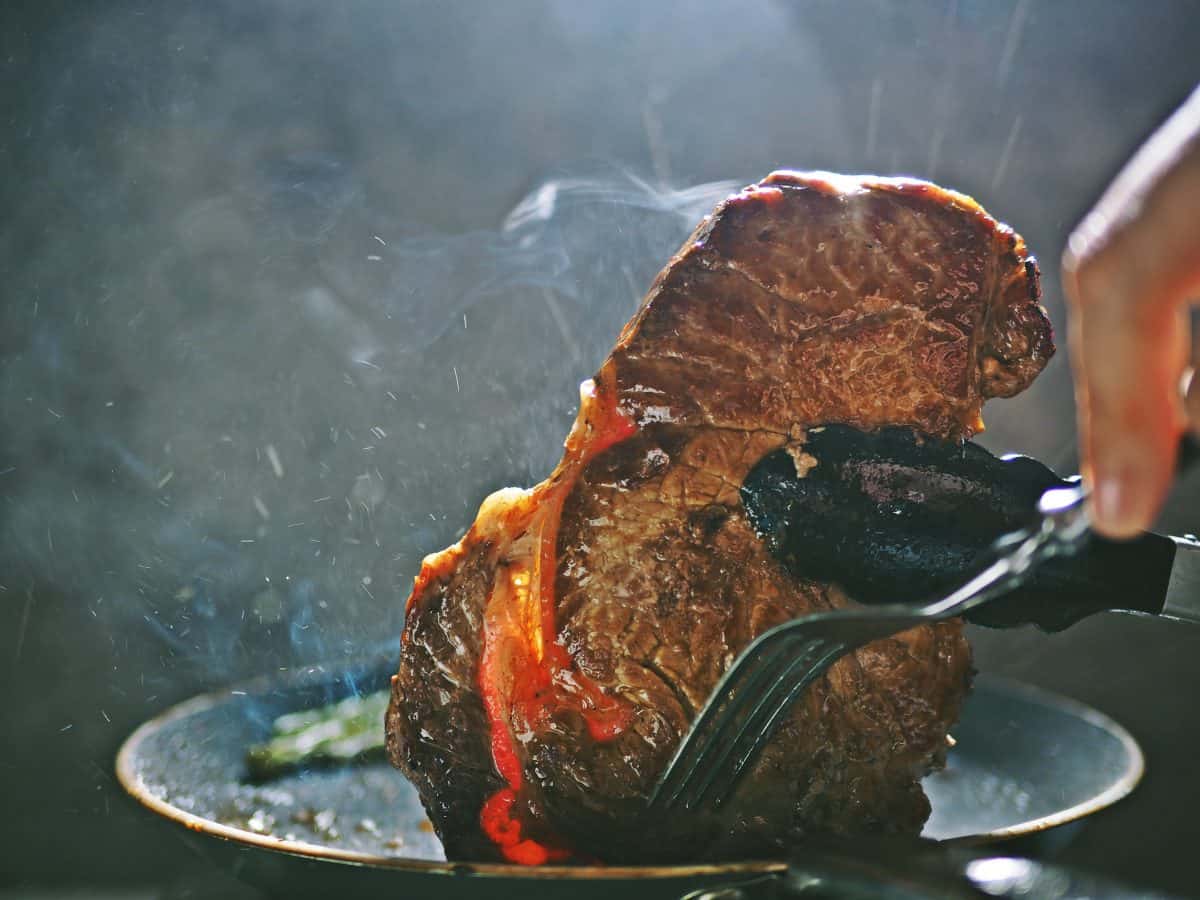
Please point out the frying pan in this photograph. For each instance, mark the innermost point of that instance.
(1025, 762)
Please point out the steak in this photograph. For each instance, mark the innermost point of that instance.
(553, 659)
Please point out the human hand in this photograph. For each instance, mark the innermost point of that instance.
(1131, 269)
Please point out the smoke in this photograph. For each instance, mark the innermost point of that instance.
(258, 359)
(255, 365)
(242, 463)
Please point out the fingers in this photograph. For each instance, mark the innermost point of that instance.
(1127, 372)
(1132, 267)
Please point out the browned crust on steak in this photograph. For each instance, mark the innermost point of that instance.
(801, 300)
(662, 582)
(782, 308)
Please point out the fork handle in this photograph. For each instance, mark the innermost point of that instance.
(1151, 575)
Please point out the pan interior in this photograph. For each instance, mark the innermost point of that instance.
(1024, 761)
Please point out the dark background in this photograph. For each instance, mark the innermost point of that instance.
(265, 340)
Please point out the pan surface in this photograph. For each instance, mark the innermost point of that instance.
(1025, 761)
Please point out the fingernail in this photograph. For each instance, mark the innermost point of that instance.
(1120, 504)
(1106, 502)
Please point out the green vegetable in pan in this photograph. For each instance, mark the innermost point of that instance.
(348, 731)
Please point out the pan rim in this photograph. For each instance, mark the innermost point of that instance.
(130, 779)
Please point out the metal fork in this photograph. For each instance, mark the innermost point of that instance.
(748, 704)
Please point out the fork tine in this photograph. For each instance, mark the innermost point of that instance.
(762, 734)
(759, 663)
(756, 707)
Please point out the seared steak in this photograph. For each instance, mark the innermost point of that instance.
(553, 659)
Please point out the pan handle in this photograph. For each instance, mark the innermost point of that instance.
(764, 887)
(948, 876)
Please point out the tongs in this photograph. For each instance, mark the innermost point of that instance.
(899, 483)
